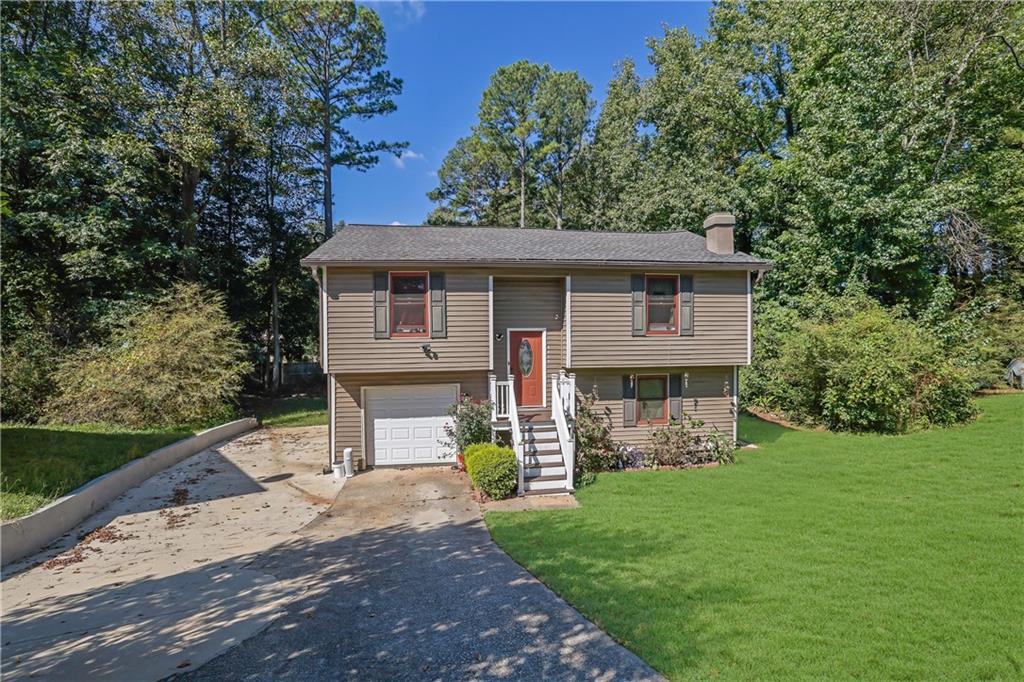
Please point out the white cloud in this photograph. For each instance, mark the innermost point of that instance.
(406, 11)
(407, 155)
(396, 222)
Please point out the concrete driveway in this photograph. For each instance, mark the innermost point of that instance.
(403, 582)
(162, 580)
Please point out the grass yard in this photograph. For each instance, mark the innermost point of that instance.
(297, 411)
(40, 463)
(816, 556)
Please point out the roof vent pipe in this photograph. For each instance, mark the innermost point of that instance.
(718, 229)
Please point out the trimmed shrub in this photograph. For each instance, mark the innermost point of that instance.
(470, 423)
(493, 470)
(595, 449)
(176, 362)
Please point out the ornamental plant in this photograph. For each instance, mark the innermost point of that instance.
(470, 423)
(492, 469)
(595, 449)
(688, 443)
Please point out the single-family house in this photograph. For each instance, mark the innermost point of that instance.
(413, 317)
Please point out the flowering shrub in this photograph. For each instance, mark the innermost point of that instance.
(595, 449)
(470, 423)
(685, 444)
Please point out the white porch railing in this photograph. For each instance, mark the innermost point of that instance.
(563, 411)
(499, 395)
(503, 406)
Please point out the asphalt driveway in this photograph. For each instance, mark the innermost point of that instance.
(402, 581)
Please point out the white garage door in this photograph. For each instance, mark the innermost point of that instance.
(405, 424)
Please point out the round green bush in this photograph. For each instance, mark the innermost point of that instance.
(492, 469)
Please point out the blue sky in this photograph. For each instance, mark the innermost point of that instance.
(446, 51)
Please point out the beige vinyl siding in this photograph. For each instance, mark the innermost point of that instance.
(348, 400)
(602, 322)
(708, 395)
(530, 304)
(352, 348)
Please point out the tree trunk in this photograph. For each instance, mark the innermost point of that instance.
(328, 199)
(275, 331)
(189, 182)
(522, 195)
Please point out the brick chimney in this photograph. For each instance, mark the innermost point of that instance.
(718, 228)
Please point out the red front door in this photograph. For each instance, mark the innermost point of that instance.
(526, 359)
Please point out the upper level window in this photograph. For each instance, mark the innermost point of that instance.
(652, 400)
(409, 304)
(662, 304)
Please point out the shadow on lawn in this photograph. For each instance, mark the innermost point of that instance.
(410, 602)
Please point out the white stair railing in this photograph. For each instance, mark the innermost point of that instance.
(499, 393)
(517, 435)
(563, 411)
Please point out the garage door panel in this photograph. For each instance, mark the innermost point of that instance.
(408, 423)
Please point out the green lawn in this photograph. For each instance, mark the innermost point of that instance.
(40, 463)
(297, 411)
(816, 556)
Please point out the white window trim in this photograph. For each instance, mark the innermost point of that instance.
(543, 358)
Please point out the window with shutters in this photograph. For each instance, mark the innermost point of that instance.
(652, 400)
(410, 306)
(662, 304)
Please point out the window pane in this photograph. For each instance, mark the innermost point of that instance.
(661, 287)
(410, 317)
(650, 389)
(409, 285)
(652, 410)
(661, 316)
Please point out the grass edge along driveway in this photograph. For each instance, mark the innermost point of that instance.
(818, 555)
(42, 462)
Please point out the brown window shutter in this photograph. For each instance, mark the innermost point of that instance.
(675, 397)
(628, 401)
(686, 305)
(381, 324)
(636, 287)
(438, 307)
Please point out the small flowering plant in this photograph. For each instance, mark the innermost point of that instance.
(470, 423)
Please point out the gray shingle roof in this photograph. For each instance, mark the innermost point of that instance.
(379, 244)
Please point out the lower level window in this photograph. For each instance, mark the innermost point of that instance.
(409, 304)
(652, 400)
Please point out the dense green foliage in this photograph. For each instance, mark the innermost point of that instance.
(150, 141)
(816, 555)
(175, 361)
(41, 463)
(493, 470)
(870, 146)
(470, 423)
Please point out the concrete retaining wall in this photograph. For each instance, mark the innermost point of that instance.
(21, 537)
